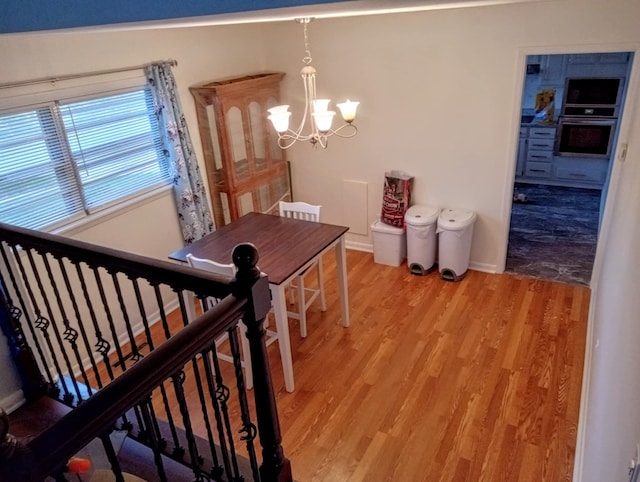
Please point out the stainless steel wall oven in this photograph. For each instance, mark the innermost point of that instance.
(589, 117)
(585, 137)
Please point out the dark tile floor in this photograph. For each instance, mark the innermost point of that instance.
(554, 233)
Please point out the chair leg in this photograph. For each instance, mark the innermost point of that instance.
(323, 300)
(290, 290)
(246, 356)
(190, 301)
(302, 308)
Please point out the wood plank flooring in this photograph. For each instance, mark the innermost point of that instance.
(477, 380)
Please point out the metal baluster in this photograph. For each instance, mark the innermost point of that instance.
(102, 345)
(147, 330)
(22, 311)
(135, 353)
(162, 443)
(157, 455)
(70, 334)
(51, 322)
(248, 428)
(178, 381)
(163, 315)
(235, 352)
(178, 449)
(216, 393)
(216, 470)
(83, 331)
(112, 457)
(107, 312)
(33, 383)
(41, 322)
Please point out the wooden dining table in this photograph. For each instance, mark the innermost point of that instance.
(286, 247)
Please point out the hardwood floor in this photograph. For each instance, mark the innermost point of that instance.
(477, 380)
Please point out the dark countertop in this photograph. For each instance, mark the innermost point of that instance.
(537, 123)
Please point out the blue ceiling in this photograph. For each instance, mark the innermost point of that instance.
(37, 15)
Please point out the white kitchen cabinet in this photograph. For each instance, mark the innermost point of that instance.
(553, 69)
(537, 169)
(540, 152)
(542, 133)
(614, 64)
(522, 151)
(581, 171)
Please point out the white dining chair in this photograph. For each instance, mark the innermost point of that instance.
(305, 294)
(230, 270)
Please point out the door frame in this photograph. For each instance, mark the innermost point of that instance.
(611, 182)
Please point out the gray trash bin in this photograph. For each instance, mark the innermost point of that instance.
(455, 230)
(421, 222)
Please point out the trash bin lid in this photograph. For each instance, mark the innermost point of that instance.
(421, 215)
(456, 219)
(380, 227)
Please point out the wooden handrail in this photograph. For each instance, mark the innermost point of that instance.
(153, 270)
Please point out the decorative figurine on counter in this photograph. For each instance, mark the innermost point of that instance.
(545, 106)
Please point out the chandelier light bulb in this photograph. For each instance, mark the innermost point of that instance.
(348, 110)
(323, 120)
(280, 118)
(321, 105)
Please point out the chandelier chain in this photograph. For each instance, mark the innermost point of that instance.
(307, 59)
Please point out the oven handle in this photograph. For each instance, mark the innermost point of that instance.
(598, 121)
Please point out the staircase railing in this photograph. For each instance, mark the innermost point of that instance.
(109, 334)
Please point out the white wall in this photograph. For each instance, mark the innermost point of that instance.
(611, 393)
(440, 93)
(440, 96)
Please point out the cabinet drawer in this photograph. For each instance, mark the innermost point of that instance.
(581, 174)
(537, 155)
(542, 132)
(544, 144)
(538, 169)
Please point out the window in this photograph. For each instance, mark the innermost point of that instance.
(64, 160)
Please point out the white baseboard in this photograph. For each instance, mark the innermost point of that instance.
(579, 456)
(13, 401)
(484, 267)
(368, 248)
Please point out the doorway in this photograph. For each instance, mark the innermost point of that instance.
(559, 198)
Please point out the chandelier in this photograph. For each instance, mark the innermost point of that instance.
(316, 111)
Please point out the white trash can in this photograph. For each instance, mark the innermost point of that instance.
(389, 244)
(421, 222)
(455, 230)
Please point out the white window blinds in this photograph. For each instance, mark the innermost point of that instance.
(62, 161)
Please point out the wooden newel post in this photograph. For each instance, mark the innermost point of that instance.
(254, 285)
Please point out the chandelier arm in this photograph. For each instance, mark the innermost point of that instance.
(338, 133)
(293, 135)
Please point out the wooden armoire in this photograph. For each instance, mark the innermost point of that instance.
(246, 169)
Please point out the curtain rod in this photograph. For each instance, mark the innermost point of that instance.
(45, 80)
